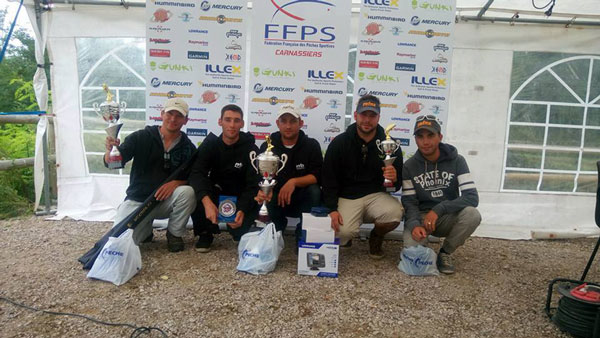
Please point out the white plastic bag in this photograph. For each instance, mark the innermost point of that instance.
(119, 260)
(418, 261)
(259, 251)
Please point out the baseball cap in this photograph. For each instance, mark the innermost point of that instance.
(368, 105)
(427, 122)
(178, 104)
(288, 109)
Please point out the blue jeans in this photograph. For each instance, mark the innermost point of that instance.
(303, 199)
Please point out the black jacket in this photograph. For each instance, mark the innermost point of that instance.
(226, 170)
(149, 168)
(350, 173)
(304, 158)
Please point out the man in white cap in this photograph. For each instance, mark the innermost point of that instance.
(297, 188)
(157, 151)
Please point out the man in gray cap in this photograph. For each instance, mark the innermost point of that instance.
(157, 151)
(438, 193)
(353, 176)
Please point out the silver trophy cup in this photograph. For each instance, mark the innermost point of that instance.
(111, 111)
(267, 165)
(388, 147)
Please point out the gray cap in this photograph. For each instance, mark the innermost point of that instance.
(368, 105)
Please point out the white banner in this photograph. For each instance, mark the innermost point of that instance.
(196, 51)
(404, 53)
(299, 56)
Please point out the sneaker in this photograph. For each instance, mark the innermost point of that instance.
(149, 238)
(174, 243)
(445, 263)
(375, 242)
(204, 242)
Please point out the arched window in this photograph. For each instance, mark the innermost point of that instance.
(553, 133)
(120, 63)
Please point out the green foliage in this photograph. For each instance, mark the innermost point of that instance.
(17, 141)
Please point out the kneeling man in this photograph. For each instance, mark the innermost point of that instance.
(438, 194)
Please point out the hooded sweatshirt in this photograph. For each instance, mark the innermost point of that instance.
(149, 168)
(352, 168)
(444, 186)
(303, 158)
(223, 169)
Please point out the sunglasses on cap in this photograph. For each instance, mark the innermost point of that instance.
(428, 118)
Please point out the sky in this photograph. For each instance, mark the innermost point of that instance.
(23, 19)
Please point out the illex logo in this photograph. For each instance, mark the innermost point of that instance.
(197, 55)
(381, 3)
(322, 74)
(431, 81)
(220, 69)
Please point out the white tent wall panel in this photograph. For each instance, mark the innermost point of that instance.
(476, 125)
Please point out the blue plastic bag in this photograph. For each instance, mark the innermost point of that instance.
(418, 261)
(259, 251)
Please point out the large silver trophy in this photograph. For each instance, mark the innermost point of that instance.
(388, 147)
(111, 111)
(268, 167)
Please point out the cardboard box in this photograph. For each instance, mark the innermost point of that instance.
(318, 236)
(313, 222)
(318, 259)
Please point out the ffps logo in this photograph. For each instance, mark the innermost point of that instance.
(280, 8)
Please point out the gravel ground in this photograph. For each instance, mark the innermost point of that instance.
(499, 289)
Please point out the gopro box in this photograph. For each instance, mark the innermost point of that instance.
(318, 259)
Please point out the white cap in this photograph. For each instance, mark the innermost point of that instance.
(178, 104)
(288, 109)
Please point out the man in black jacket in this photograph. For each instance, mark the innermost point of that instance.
(297, 188)
(353, 175)
(156, 153)
(223, 169)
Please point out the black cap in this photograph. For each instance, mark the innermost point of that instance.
(427, 122)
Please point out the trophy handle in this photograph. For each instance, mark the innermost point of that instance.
(378, 143)
(252, 158)
(97, 109)
(283, 161)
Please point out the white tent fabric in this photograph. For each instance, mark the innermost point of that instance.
(482, 64)
(40, 86)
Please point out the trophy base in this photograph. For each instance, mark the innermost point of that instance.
(115, 162)
(389, 186)
(263, 218)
